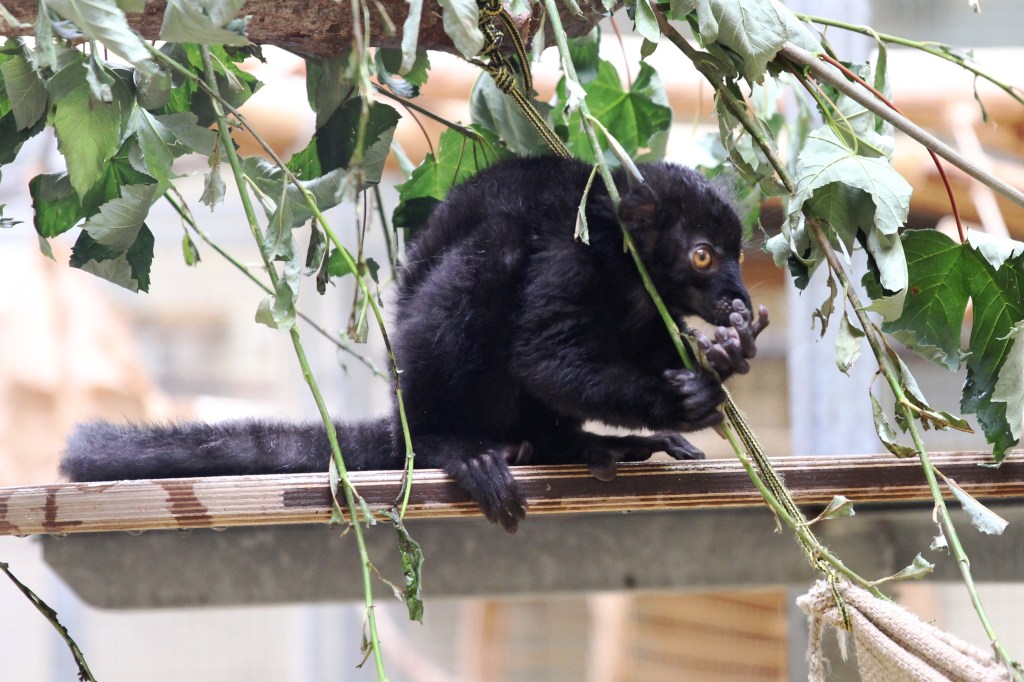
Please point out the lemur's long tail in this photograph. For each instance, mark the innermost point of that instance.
(102, 451)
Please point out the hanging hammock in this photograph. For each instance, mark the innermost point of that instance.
(892, 644)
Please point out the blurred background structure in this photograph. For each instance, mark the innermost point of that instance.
(76, 348)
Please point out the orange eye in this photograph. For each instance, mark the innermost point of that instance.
(702, 258)
(741, 258)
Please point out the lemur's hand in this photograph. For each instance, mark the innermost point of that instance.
(734, 346)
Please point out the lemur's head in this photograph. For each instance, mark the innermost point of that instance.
(690, 239)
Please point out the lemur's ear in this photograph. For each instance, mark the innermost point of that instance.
(639, 206)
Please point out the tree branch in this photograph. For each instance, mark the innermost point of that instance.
(321, 27)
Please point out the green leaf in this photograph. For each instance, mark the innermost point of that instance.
(338, 264)
(753, 29)
(678, 9)
(67, 75)
(235, 85)
(585, 54)
(633, 117)
(99, 78)
(153, 92)
(160, 139)
(189, 251)
(278, 242)
(846, 209)
(88, 135)
(129, 269)
(826, 160)
(46, 51)
(646, 22)
(140, 258)
(847, 344)
(940, 284)
(460, 23)
(328, 190)
(278, 311)
(202, 22)
(412, 568)
(410, 36)
(1009, 386)
(456, 160)
(305, 164)
(117, 224)
(336, 140)
(55, 205)
(11, 138)
(26, 92)
(188, 135)
(328, 84)
(942, 276)
(983, 518)
(885, 431)
(413, 212)
(840, 507)
(389, 64)
(154, 155)
(104, 21)
(919, 568)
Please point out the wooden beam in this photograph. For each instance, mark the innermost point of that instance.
(221, 502)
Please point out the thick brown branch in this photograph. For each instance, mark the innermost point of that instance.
(319, 27)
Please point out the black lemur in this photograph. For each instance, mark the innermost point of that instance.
(510, 334)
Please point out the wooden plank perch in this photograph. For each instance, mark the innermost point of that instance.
(304, 498)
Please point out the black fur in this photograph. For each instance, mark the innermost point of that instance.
(510, 334)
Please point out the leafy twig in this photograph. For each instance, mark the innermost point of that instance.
(892, 376)
(332, 435)
(84, 674)
(879, 347)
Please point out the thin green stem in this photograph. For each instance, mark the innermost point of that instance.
(461, 129)
(332, 435)
(391, 246)
(182, 210)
